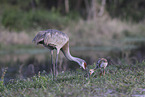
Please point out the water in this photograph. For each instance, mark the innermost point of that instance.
(23, 63)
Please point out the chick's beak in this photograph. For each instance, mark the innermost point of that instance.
(90, 73)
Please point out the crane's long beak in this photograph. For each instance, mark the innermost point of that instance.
(83, 67)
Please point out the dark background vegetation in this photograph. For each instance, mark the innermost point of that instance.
(20, 15)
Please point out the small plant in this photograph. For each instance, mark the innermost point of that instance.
(2, 79)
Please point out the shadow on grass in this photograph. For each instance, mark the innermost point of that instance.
(65, 79)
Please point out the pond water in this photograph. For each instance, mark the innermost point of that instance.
(24, 63)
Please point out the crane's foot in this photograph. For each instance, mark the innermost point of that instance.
(104, 73)
(52, 74)
(101, 74)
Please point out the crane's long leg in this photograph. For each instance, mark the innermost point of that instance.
(104, 71)
(52, 67)
(101, 72)
(56, 64)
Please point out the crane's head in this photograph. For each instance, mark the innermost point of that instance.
(84, 65)
(91, 71)
(102, 62)
(81, 62)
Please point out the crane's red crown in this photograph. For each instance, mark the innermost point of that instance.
(85, 65)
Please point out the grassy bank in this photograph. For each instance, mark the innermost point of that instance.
(120, 80)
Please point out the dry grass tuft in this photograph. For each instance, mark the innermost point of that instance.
(101, 32)
(14, 38)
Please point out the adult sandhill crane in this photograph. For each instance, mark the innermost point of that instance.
(54, 39)
(102, 63)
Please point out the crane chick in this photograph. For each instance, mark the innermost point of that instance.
(102, 63)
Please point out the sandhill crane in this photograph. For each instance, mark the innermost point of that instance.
(54, 39)
(102, 63)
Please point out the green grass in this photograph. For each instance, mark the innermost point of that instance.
(120, 80)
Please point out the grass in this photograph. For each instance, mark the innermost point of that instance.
(120, 80)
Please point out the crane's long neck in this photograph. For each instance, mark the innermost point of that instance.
(66, 52)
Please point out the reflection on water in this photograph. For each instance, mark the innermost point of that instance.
(26, 63)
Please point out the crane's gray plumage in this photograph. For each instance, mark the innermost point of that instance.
(54, 39)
